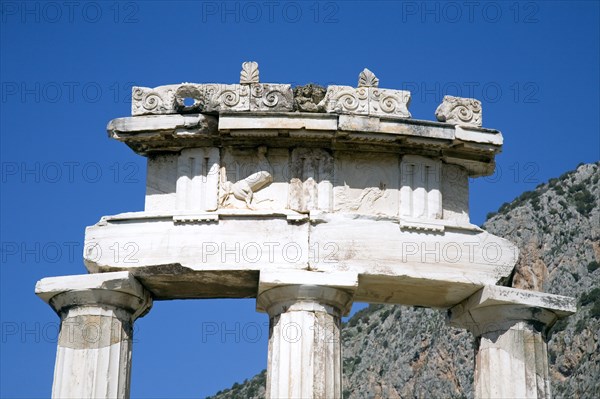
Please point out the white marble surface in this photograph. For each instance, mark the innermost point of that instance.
(97, 311)
(304, 359)
(510, 326)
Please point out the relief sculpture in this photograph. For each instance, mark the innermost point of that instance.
(244, 189)
(310, 187)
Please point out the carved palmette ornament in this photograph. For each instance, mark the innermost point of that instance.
(249, 73)
(367, 79)
(460, 111)
(250, 95)
(366, 99)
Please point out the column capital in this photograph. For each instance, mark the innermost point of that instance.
(499, 308)
(116, 289)
(510, 326)
(311, 298)
(305, 309)
(280, 291)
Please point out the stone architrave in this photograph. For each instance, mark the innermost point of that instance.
(97, 311)
(510, 326)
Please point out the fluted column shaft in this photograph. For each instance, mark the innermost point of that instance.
(510, 326)
(304, 359)
(511, 359)
(93, 357)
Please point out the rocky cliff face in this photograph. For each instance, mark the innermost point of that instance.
(399, 352)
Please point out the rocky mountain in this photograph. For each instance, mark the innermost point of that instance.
(401, 352)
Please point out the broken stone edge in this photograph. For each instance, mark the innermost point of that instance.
(94, 289)
(252, 96)
(495, 295)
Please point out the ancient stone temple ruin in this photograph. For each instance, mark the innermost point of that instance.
(307, 200)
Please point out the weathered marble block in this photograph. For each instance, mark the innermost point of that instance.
(97, 312)
(459, 111)
(271, 97)
(249, 95)
(346, 99)
(389, 103)
(157, 101)
(416, 189)
(220, 98)
(211, 98)
(370, 101)
(510, 328)
(367, 99)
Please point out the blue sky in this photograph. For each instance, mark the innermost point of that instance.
(66, 69)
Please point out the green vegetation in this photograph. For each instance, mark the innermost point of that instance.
(532, 196)
(589, 297)
(579, 326)
(565, 175)
(593, 266)
(593, 298)
(551, 355)
(372, 326)
(490, 215)
(535, 203)
(558, 327)
(363, 315)
(577, 194)
(252, 387)
(584, 201)
(384, 315)
(398, 314)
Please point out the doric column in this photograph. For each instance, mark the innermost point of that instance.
(510, 326)
(304, 359)
(97, 311)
